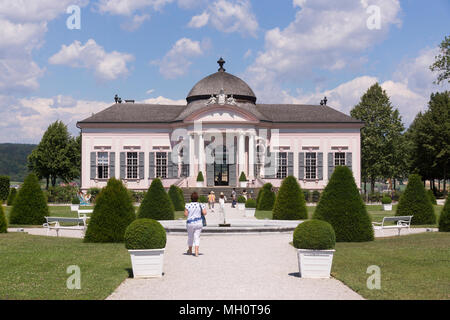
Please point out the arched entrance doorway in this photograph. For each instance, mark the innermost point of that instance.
(221, 167)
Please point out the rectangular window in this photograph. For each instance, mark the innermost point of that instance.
(132, 165)
(339, 159)
(161, 165)
(282, 165)
(102, 165)
(311, 166)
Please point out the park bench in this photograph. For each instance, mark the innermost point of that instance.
(82, 213)
(401, 222)
(54, 223)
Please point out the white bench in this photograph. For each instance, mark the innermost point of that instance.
(401, 223)
(54, 223)
(82, 213)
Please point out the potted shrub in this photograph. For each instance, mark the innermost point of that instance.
(200, 180)
(145, 240)
(314, 241)
(241, 202)
(203, 199)
(250, 208)
(75, 204)
(243, 180)
(387, 203)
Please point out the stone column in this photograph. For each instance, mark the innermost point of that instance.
(241, 154)
(251, 157)
(191, 155)
(201, 154)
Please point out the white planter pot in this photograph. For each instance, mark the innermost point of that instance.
(199, 184)
(315, 263)
(74, 207)
(387, 207)
(250, 212)
(147, 263)
(243, 184)
(241, 206)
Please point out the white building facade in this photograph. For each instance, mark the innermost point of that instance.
(221, 132)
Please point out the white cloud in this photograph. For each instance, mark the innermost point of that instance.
(199, 21)
(248, 53)
(128, 7)
(324, 35)
(19, 75)
(150, 91)
(228, 16)
(107, 66)
(175, 63)
(164, 100)
(135, 23)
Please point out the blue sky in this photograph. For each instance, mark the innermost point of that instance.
(154, 51)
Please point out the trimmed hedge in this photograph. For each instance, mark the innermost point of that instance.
(203, 199)
(156, 204)
(145, 234)
(4, 187)
(266, 198)
(241, 199)
(75, 200)
(416, 202)
(341, 205)
(11, 197)
(444, 220)
(3, 221)
(113, 213)
(314, 235)
(177, 198)
(430, 194)
(290, 202)
(250, 204)
(30, 206)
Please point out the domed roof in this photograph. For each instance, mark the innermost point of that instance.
(214, 83)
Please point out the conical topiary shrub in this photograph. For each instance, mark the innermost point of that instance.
(430, 194)
(156, 204)
(266, 198)
(444, 220)
(176, 198)
(341, 205)
(30, 206)
(290, 202)
(11, 197)
(3, 222)
(113, 213)
(415, 202)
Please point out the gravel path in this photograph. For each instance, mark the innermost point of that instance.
(233, 267)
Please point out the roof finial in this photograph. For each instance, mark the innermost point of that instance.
(221, 62)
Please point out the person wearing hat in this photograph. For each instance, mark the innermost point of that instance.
(211, 200)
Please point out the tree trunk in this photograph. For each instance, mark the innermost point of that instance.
(48, 181)
(53, 181)
(372, 185)
(445, 181)
(395, 184)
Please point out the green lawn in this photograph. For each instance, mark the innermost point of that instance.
(64, 211)
(412, 267)
(375, 211)
(34, 267)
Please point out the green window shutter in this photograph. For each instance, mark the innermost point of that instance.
(141, 165)
(301, 165)
(349, 160)
(93, 165)
(151, 167)
(330, 165)
(290, 163)
(112, 164)
(320, 165)
(123, 165)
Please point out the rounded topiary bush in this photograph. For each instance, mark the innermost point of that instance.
(415, 202)
(266, 198)
(30, 206)
(145, 234)
(432, 197)
(444, 220)
(156, 204)
(3, 222)
(314, 235)
(203, 199)
(113, 213)
(241, 199)
(341, 205)
(11, 197)
(176, 198)
(250, 204)
(290, 202)
(386, 200)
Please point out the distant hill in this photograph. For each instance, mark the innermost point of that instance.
(13, 160)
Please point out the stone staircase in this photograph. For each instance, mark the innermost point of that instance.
(251, 192)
